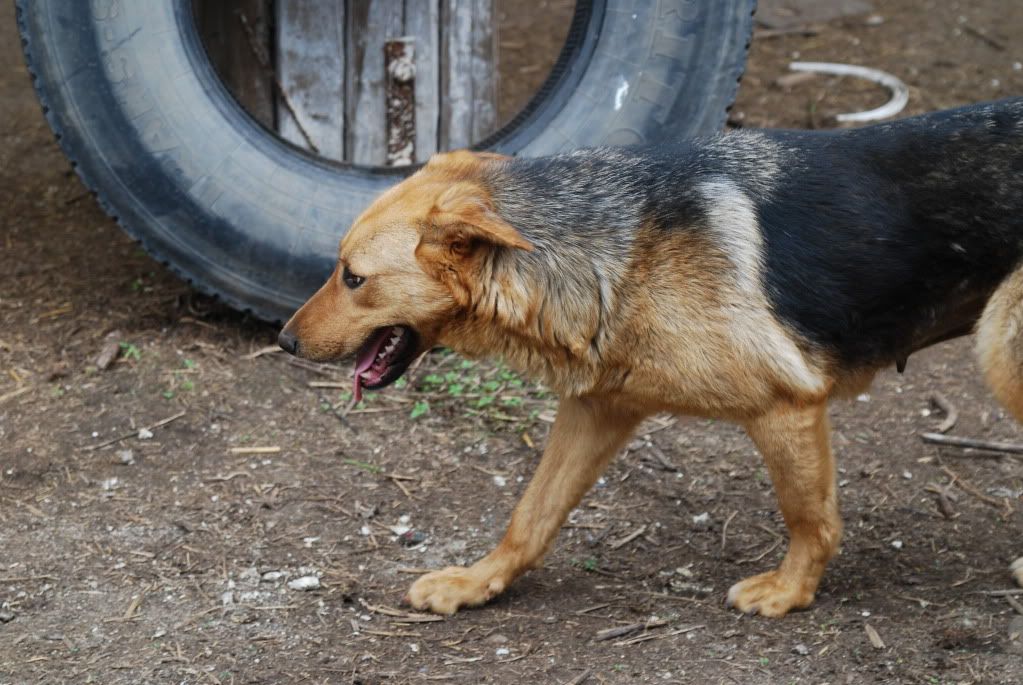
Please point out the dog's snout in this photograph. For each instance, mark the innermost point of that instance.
(288, 342)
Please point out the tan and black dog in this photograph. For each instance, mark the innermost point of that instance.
(750, 276)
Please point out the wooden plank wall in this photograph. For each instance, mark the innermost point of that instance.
(328, 57)
(469, 74)
(239, 54)
(422, 22)
(310, 52)
(372, 23)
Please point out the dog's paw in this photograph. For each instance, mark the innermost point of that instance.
(446, 591)
(1016, 568)
(769, 594)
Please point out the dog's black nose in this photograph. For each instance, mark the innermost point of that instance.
(288, 342)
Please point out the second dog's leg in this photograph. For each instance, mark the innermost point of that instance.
(586, 434)
(796, 446)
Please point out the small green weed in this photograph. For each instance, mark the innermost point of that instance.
(130, 351)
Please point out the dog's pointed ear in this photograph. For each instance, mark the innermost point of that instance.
(463, 219)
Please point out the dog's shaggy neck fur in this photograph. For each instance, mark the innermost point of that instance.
(520, 299)
(582, 213)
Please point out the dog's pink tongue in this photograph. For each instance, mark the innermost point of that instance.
(365, 361)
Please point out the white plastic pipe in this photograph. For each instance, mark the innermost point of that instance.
(899, 91)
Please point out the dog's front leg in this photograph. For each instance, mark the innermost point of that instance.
(586, 434)
(796, 446)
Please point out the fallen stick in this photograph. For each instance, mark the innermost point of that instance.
(1012, 448)
(873, 636)
(724, 530)
(400, 616)
(951, 415)
(581, 678)
(969, 488)
(656, 636)
(628, 538)
(255, 450)
(268, 349)
(132, 434)
(762, 554)
(999, 593)
(22, 579)
(14, 393)
(619, 631)
(109, 351)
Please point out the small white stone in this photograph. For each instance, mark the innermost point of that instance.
(897, 544)
(907, 475)
(109, 483)
(500, 481)
(1017, 66)
(364, 530)
(863, 398)
(865, 613)
(272, 576)
(502, 651)
(308, 542)
(304, 583)
(701, 519)
(126, 457)
(145, 434)
(414, 647)
(227, 598)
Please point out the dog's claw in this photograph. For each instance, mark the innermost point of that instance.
(769, 594)
(446, 591)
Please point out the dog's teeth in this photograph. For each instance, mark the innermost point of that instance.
(395, 340)
(396, 330)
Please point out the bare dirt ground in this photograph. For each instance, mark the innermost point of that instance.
(170, 555)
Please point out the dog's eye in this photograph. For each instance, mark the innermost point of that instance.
(351, 280)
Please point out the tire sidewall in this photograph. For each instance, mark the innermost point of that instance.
(241, 214)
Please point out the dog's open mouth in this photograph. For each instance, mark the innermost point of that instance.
(384, 357)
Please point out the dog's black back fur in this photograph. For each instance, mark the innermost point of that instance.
(876, 242)
(883, 240)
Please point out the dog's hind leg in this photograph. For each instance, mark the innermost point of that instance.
(586, 435)
(1000, 351)
(795, 443)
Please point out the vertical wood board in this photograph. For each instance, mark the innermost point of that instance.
(422, 22)
(232, 51)
(310, 68)
(371, 23)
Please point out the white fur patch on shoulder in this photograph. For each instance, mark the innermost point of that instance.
(736, 228)
(733, 220)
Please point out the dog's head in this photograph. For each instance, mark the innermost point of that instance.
(406, 269)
